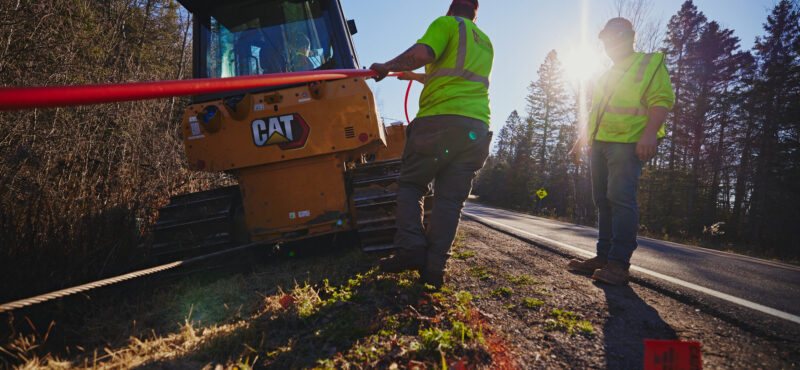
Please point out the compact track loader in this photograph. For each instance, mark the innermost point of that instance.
(311, 159)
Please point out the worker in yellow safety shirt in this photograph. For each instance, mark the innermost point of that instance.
(448, 141)
(629, 107)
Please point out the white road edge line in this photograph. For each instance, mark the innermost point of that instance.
(693, 248)
(727, 297)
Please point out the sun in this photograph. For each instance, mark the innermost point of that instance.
(582, 63)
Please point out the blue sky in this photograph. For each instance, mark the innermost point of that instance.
(522, 31)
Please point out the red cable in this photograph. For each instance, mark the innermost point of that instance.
(408, 91)
(17, 98)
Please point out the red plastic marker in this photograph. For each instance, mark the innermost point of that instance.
(672, 355)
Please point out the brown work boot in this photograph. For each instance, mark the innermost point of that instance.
(433, 278)
(613, 274)
(402, 261)
(587, 267)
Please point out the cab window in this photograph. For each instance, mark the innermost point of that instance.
(258, 37)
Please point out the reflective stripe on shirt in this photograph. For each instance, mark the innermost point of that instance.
(461, 58)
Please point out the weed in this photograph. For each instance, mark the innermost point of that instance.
(531, 302)
(509, 306)
(436, 340)
(567, 322)
(522, 280)
(480, 272)
(463, 255)
(307, 300)
(390, 325)
(584, 327)
(502, 291)
(459, 241)
(464, 298)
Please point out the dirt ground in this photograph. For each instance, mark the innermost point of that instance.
(621, 317)
(507, 304)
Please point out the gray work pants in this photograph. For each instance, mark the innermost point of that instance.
(448, 150)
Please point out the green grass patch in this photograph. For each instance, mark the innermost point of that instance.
(567, 322)
(459, 242)
(502, 292)
(522, 280)
(480, 272)
(509, 306)
(463, 255)
(532, 302)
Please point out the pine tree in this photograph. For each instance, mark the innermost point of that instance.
(683, 32)
(715, 63)
(503, 179)
(776, 199)
(549, 115)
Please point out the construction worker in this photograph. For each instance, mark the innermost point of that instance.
(299, 49)
(629, 107)
(448, 141)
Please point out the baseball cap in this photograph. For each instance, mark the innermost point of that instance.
(616, 26)
(470, 3)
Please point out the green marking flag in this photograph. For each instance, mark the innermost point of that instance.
(541, 193)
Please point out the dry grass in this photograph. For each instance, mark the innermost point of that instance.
(328, 311)
(79, 186)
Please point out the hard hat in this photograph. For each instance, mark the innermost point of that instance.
(470, 3)
(617, 26)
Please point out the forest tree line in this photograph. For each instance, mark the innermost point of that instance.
(728, 172)
(78, 186)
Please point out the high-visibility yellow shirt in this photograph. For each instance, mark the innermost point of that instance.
(623, 96)
(458, 80)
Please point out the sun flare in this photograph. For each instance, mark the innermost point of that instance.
(582, 63)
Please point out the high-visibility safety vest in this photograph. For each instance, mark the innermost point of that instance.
(620, 101)
(458, 80)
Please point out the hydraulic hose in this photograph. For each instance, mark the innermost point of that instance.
(18, 98)
(408, 91)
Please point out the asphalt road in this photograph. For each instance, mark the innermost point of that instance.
(770, 287)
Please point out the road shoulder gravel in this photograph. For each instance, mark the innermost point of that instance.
(510, 276)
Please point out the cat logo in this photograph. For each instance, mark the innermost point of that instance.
(287, 132)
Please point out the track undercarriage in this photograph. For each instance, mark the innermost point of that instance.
(204, 222)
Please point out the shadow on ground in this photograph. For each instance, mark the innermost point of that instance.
(630, 321)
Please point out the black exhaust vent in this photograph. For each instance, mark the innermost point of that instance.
(349, 132)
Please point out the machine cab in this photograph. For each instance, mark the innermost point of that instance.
(256, 37)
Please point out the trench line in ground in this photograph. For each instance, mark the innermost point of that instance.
(726, 297)
(10, 306)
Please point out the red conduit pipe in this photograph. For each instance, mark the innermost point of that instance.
(408, 91)
(18, 98)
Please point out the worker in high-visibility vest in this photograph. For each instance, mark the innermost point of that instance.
(629, 108)
(447, 142)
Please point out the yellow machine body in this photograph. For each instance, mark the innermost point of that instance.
(290, 150)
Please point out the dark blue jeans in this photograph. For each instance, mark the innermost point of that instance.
(615, 178)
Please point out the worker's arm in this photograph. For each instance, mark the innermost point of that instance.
(646, 147)
(660, 98)
(575, 154)
(413, 58)
(408, 76)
